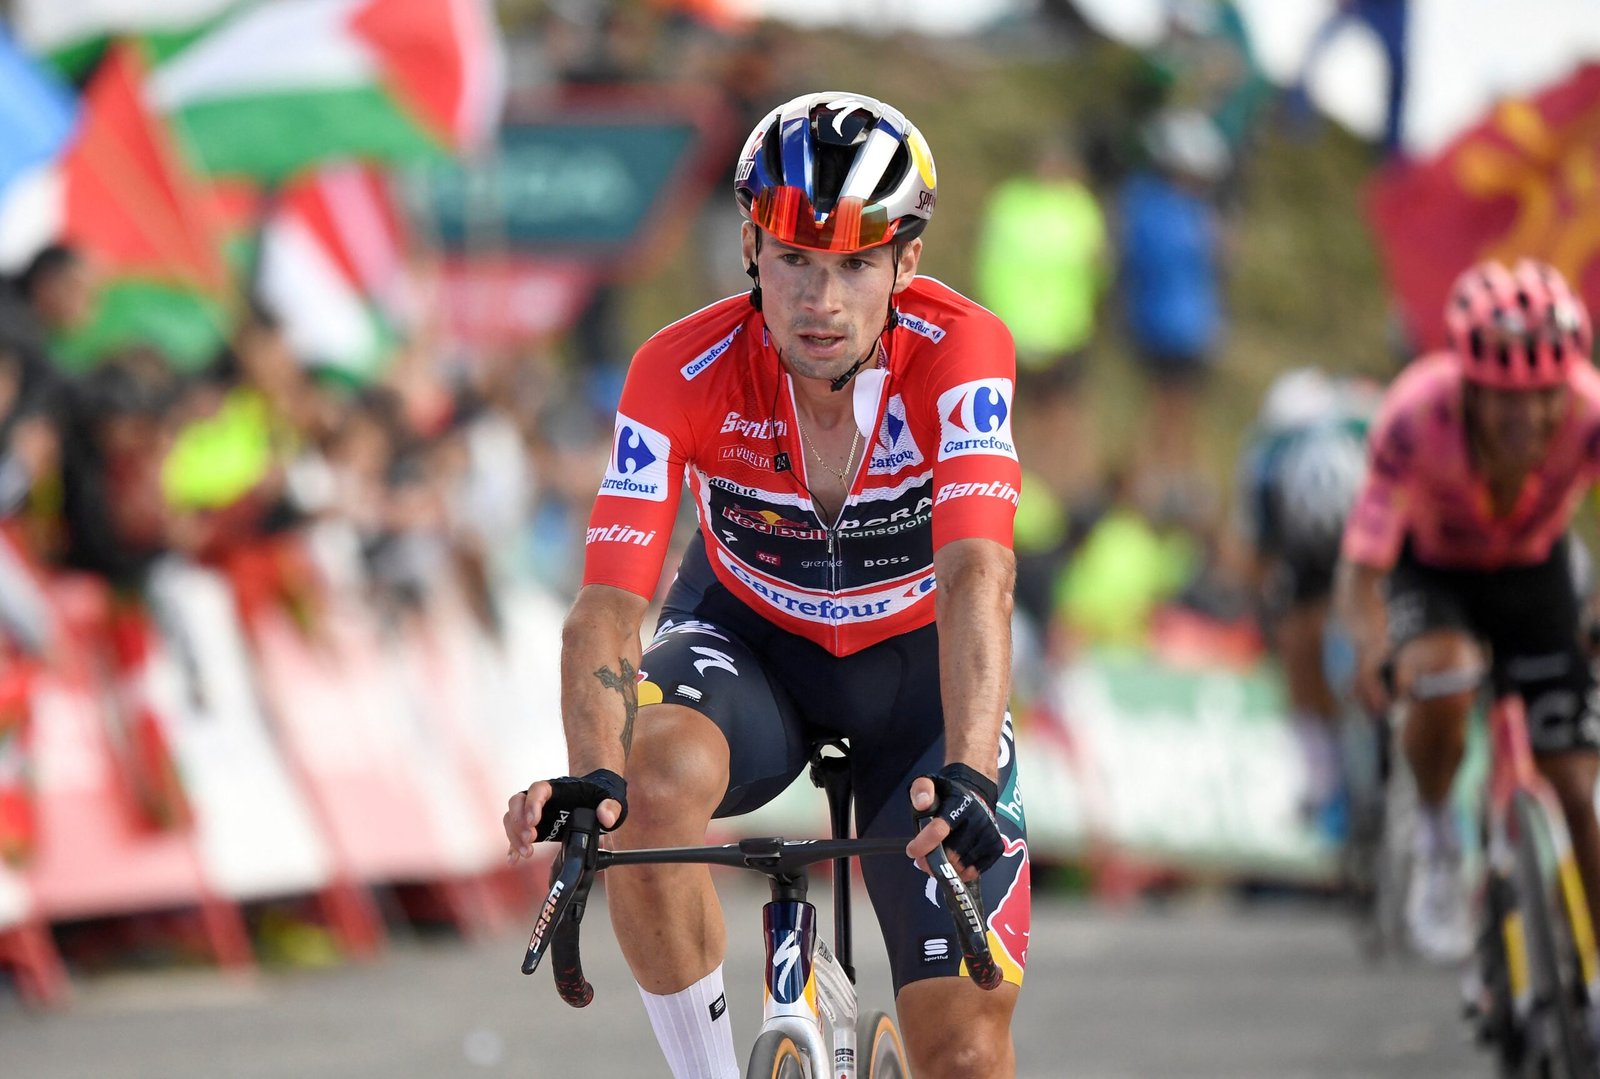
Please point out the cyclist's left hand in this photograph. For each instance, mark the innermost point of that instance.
(958, 804)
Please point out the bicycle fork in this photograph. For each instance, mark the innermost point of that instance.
(809, 996)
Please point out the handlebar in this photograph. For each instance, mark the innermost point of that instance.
(572, 874)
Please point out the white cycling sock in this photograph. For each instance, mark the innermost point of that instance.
(694, 1030)
(1436, 830)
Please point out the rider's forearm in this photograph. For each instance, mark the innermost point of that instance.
(976, 580)
(1358, 599)
(599, 668)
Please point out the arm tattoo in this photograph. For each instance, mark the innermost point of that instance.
(627, 685)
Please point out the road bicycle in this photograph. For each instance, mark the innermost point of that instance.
(810, 1027)
(1539, 978)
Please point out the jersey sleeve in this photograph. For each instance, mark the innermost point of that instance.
(631, 524)
(1378, 520)
(976, 476)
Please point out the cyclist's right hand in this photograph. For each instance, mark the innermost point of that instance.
(541, 812)
(1372, 682)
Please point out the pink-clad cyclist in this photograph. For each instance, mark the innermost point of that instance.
(1479, 458)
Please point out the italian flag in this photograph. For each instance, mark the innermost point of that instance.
(276, 88)
(123, 195)
(332, 266)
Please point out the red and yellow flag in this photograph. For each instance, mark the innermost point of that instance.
(1523, 182)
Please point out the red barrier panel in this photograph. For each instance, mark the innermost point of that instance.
(99, 851)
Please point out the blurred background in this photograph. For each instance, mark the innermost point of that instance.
(315, 313)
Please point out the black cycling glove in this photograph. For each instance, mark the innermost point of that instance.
(964, 798)
(580, 792)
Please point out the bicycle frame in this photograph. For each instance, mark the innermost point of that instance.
(1512, 770)
(809, 994)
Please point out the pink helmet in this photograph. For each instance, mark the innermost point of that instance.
(1516, 329)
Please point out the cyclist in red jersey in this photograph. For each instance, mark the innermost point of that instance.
(1478, 461)
(845, 433)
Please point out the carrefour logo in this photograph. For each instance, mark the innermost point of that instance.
(975, 417)
(708, 357)
(638, 465)
(895, 448)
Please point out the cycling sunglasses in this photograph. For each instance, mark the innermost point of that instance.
(787, 214)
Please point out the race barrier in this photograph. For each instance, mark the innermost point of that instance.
(234, 736)
(259, 730)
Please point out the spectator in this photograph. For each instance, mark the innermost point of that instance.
(1041, 267)
(1171, 265)
(117, 432)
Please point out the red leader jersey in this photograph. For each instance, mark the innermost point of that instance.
(708, 402)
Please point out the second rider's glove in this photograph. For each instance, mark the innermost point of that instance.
(580, 792)
(964, 798)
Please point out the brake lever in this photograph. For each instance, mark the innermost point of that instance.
(570, 877)
(964, 901)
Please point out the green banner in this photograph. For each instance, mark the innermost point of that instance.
(579, 188)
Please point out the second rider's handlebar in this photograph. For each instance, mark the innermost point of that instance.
(572, 874)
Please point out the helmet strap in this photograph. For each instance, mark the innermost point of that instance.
(755, 275)
(891, 319)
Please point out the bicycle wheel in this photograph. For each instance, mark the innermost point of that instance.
(878, 1049)
(1560, 1034)
(775, 1056)
(1500, 955)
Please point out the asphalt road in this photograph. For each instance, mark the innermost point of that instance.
(1197, 987)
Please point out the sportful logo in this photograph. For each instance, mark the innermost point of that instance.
(638, 465)
(975, 417)
(922, 326)
(895, 447)
(708, 357)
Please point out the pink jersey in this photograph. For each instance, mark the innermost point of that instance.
(1421, 484)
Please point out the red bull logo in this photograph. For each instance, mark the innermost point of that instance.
(769, 523)
(1012, 918)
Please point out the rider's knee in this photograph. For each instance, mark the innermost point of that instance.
(1436, 653)
(964, 1055)
(678, 764)
(977, 1045)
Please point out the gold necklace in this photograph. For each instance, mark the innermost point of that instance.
(842, 474)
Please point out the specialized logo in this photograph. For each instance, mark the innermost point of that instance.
(769, 523)
(997, 489)
(708, 357)
(894, 448)
(691, 625)
(922, 326)
(619, 534)
(975, 417)
(720, 661)
(733, 423)
(638, 465)
(785, 958)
